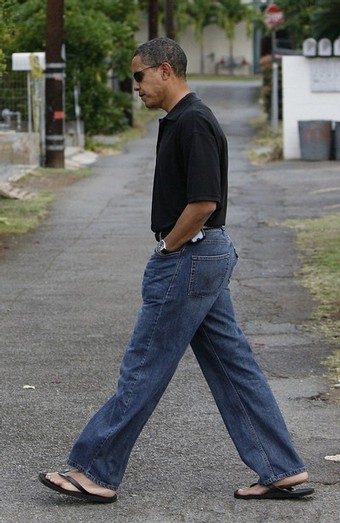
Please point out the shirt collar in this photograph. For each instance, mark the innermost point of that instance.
(177, 110)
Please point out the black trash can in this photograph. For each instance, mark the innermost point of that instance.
(315, 139)
(337, 141)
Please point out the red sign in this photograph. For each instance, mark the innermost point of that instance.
(59, 115)
(273, 16)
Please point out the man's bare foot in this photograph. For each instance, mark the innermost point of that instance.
(86, 483)
(258, 489)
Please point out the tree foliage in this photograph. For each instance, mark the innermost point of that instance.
(310, 18)
(99, 35)
(297, 19)
(325, 19)
(6, 28)
(200, 14)
(229, 13)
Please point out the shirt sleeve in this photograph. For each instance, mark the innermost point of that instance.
(203, 167)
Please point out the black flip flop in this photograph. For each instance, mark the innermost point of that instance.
(278, 493)
(82, 494)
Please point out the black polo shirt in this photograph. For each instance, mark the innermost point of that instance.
(191, 164)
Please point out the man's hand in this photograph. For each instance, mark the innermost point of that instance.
(189, 223)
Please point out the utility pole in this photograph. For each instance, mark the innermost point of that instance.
(55, 66)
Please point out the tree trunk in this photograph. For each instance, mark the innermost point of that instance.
(231, 59)
(202, 57)
(170, 23)
(153, 19)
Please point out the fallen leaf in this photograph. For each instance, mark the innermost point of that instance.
(333, 458)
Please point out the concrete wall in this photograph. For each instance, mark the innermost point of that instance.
(23, 148)
(19, 148)
(300, 103)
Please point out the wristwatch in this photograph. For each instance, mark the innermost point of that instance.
(161, 247)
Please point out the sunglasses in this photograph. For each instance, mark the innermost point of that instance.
(139, 75)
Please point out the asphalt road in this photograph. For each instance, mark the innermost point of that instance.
(69, 294)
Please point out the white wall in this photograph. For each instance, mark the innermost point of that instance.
(299, 103)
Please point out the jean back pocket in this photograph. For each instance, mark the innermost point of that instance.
(208, 274)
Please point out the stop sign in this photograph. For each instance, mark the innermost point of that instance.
(273, 16)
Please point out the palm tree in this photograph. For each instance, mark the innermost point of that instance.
(228, 14)
(201, 14)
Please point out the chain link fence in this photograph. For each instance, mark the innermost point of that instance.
(14, 110)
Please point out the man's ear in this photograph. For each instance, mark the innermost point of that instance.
(166, 70)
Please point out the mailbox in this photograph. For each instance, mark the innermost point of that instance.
(22, 61)
(309, 47)
(336, 47)
(325, 47)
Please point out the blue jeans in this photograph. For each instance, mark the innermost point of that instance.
(186, 300)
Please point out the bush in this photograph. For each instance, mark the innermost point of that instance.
(99, 35)
(104, 110)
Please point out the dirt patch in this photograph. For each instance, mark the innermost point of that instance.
(52, 182)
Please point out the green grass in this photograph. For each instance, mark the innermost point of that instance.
(20, 216)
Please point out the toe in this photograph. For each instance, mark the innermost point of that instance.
(60, 481)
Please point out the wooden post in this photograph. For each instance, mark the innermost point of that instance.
(55, 66)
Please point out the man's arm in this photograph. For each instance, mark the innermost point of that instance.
(189, 223)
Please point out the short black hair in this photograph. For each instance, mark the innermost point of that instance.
(161, 50)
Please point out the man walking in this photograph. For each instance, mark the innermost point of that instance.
(186, 301)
